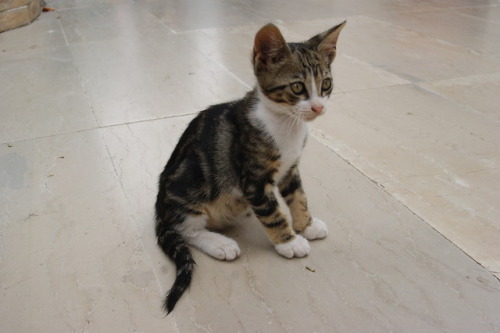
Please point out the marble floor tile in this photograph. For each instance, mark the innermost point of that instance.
(135, 80)
(229, 47)
(360, 254)
(411, 55)
(487, 13)
(367, 7)
(44, 32)
(403, 167)
(232, 49)
(351, 74)
(107, 21)
(293, 10)
(478, 92)
(70, 257)
(180, 15)
(428, 150)
(41, 95)
(469, 32)
(65, 4)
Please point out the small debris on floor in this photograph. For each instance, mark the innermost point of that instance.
(310, 269)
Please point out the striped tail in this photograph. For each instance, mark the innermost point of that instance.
(173, 245)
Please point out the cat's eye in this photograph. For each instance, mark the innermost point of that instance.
(298, 88)
(326, 84)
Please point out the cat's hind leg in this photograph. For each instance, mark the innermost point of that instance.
(193, 230)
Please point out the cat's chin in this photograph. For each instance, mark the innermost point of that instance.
(311, 117)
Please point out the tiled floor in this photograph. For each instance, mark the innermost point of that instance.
(405, 168)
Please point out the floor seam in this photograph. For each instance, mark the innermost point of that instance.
(11, 142)
(380, 185)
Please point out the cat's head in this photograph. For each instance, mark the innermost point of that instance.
(295, 78)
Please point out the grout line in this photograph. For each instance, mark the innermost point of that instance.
(427, 35)
(231, 73)
(63, 33)
(438, 94)
(154, 18)
(138, 236)
(380, 185)
(234, 76)
(460, 77)
(97, 128)
(340, 92)
(475, 17)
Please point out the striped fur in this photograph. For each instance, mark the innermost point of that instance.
(242, 156)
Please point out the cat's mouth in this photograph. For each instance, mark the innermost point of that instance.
(310, 116)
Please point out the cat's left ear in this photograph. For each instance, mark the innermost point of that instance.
(326, 42)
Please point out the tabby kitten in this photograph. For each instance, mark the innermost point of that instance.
(243, 155)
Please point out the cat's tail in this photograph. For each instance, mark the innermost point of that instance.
(173, 245)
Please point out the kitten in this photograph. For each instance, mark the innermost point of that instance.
(243, 155)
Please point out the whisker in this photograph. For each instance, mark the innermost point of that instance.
(290, 122)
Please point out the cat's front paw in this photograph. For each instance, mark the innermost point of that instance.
(316, 230)
(297, 247)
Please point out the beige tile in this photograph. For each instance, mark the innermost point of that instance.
(41, 95)
(353, 74)
(478, 92)
(425, 151)
(180, 15)
(487, 13)
(65, 4)
(136, 80)
(469, 32)
(232, 49)
(403, 168)
(363, 7)
(377, 251)
(144, 146)
(104, 21)
(70, 256)
(408, 54)
(44, 32)
(229, 47)
(468, 217)
(284, 10)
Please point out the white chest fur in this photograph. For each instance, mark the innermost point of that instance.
(288, 134)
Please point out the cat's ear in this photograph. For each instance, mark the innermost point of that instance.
(269, 47)
(326, 42)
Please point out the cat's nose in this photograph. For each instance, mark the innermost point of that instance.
(317, 108)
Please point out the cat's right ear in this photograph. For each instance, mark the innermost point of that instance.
(269, 48)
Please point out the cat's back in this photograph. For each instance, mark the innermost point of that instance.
(214, 135)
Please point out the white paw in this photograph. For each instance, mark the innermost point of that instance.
(316, 230)
(297, 247)
(216, 245)
(225, 249)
